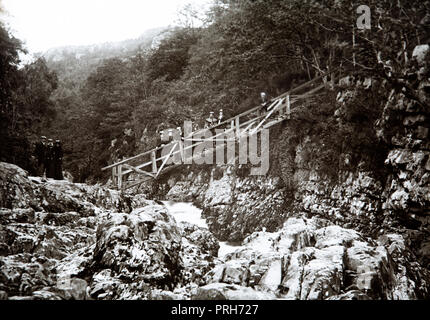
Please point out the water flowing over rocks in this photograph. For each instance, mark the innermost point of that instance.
(112, 247)
(234, 205)
(144, 253)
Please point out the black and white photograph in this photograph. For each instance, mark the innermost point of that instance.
(182, 152)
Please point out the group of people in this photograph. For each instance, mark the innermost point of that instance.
(212, 121)
(167, 136)
(49, 155)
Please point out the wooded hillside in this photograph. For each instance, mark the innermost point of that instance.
(245, 47)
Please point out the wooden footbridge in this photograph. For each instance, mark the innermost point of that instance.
(151, 166)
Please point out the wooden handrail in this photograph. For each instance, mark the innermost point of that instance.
(194, 145)
(245, 113)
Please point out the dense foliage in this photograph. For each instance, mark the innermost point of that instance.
(25, 102)
(243, 48)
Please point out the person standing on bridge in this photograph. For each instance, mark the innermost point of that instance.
(170, 135)
(161, 136)
(211, 121)
(265, 100)
(180, 133)
(220, 117)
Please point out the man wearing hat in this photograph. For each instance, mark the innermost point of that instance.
(210, 121)
(40, 152)
(220, 117)
(265, 100)
(58, 160)
(49, 156)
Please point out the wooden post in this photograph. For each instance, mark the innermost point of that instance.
(120, 177)
(154, 162)
(281, 110)
(288, 107)
(237, 127)
(114, 175)
(181, 149)
(232, 124)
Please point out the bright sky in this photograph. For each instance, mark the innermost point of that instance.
(44, 24)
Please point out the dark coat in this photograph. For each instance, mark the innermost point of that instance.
(57, 151)
(40, 152)
(50, 165)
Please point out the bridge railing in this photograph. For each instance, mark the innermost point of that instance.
(238, 126)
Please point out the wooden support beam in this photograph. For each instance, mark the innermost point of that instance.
(154, 162)
(281, 109)
(256, 114)
(134, 184)
(137, 170)
(114, 175)
(166, 159)
(244, 131)
(119, 173)
(181, 150)
(267, 117)
(222, 124)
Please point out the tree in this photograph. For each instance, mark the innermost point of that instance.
(171, 58)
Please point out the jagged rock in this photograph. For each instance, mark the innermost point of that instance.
(220, 192)
(3, 295)
(164, 295)
(421, 54)
(306, 261)
(228, 199)
(16, 191)
(19, 191)
(45, 295)
(351, 295)
(200, 237)
(73, 289)
(17, 215)
(141, 246)
(222, 291)
(50, 249)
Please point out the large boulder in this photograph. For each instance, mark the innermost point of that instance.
(141, 247)
(19, 191)
(308, 259)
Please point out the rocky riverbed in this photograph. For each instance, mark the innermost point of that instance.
(60, 240)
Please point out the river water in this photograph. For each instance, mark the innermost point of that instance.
(187, 212)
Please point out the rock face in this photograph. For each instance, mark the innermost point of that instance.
(32, 240)
(235, 204)
(135, 251)
(17, 190)
(308, 260)
(112, 247)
